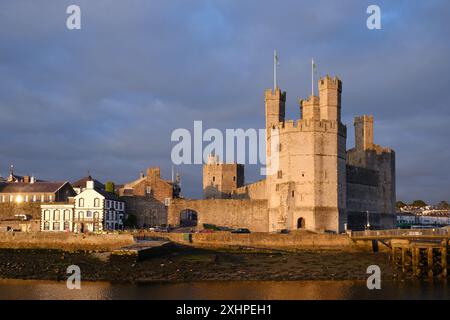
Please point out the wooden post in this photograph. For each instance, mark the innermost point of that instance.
(403, 259)
(444, 259)
(414, 260)
(430, 262)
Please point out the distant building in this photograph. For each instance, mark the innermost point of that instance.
(406, 219)
(147, 198)
(92, 210)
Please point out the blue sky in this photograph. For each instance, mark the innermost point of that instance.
(107, 97)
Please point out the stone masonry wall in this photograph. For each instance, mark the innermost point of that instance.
(251, 214)
(64, 241)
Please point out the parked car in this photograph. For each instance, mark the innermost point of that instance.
(161, 229)
(241, 230)
(206, 231)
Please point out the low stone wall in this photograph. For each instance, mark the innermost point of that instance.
(64, 241)
(289, 242)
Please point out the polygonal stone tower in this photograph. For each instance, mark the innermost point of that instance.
(308, 188)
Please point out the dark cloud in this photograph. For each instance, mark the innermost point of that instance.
(106, 98)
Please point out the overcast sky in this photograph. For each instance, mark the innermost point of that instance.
(106, 98)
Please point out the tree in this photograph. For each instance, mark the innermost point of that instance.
(400, 204)
(110, 187)
(443, 205)
(419, 204)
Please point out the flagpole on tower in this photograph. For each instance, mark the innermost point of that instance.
(276, 63)
(312, 76)
(274, 70)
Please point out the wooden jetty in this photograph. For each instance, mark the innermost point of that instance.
(424, 253)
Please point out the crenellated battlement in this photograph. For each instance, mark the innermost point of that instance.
(328, 82)
(310, 125)
(276, 94)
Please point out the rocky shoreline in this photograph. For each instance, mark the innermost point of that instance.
(183, 264)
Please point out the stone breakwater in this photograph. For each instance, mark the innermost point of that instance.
(293, 241)
(64, 241)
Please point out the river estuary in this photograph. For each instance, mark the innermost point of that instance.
(242, 290)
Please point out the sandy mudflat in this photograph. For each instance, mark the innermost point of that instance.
(191, 264)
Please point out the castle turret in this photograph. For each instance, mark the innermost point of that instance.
(363, 132)
(221, 179)
(275, 107)
(310, 108)
(330, 90)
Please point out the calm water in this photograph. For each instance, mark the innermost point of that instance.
(242, 290)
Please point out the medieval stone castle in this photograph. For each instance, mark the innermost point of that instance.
(319, 185)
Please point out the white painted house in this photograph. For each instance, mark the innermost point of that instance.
(93, 210)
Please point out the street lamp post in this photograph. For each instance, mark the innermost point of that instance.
(368, 221)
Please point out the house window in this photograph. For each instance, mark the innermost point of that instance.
(107, 204)
(56, 215)
(234, 178)
(115, 205)
(88, 214)
(11, 198)
(96, 202)
(81, 214)
(67, 226)
(280, 174)
(279, 147)
(42, 198)
(55, 226)
(66, 215)
(46, 225)
(34, 198)
(96, 216)
(148, 190)
(81, 202)
(50, 198)
(166, 201)
(292, 193)
(46, 215)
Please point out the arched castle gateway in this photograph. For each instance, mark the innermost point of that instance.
(318, 184)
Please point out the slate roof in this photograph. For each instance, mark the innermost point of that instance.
(81, 183)
(37, 187)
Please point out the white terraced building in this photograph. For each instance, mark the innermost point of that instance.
(93, 210)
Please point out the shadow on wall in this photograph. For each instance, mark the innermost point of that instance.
(211, 192)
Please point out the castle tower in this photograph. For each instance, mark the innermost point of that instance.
(308, 188)
(220, 179)
(275, 107)
(330, 90)
(363, 132)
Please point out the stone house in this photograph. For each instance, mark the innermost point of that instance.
(147, 198)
